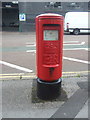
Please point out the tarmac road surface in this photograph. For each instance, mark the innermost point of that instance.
(19, 52)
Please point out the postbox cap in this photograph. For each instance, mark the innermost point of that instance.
(49, 14)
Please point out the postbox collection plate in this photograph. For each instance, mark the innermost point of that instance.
(51, 35)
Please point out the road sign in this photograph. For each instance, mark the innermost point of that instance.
(22, 17)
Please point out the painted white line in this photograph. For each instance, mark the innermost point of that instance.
(82, 43)
(76, 60)
(31, 51)
(15, 66)
(30, 45)
(63, 49)
(71, 42)
(87, 49)
(76, 49)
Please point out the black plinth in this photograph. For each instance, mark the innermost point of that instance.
(48, 90)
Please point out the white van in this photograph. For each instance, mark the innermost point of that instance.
(77, 22)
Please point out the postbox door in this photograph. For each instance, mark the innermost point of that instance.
(51, 46)
(49, 49)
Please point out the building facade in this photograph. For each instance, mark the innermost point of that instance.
(20, 16)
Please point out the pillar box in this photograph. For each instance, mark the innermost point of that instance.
(49, 44)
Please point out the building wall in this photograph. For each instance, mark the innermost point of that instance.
(10, 16)
(32, 9)
(0, 17)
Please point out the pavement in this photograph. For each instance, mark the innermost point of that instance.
(19, 98)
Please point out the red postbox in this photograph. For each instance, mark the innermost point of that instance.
(49, 44)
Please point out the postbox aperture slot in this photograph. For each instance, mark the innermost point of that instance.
(51, 25)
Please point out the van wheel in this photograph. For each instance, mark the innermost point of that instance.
(76, 31)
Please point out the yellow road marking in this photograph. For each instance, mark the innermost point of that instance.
(7, 77)
(15, 74)
(19, 76)
(76, 72)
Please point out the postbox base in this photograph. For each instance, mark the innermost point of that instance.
(48, 90)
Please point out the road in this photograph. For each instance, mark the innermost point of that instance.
(19, 53)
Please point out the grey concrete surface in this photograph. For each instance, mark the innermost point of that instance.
(71, 108)
(19, 98)
(0, 100)
(83, 112)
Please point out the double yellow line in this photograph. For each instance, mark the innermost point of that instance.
(20, 76)
(16, 76)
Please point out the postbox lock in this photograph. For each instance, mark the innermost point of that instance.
(51, 70)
